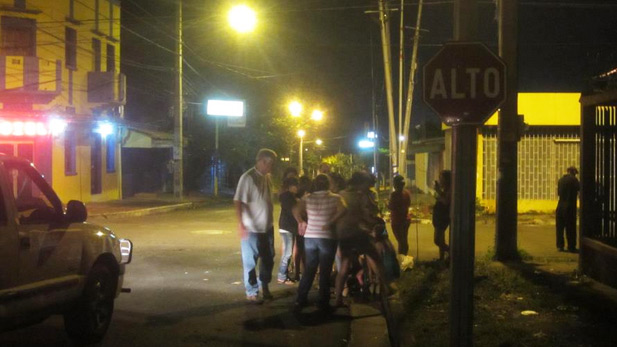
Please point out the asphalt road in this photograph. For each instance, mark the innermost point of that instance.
(186, 281)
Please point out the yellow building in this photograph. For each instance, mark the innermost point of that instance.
(62, 93)
(549, 146)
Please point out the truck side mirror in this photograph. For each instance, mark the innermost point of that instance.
(76, 212)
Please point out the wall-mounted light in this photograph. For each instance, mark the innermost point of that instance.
(104, 129)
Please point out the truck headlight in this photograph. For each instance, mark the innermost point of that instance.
(126, 250)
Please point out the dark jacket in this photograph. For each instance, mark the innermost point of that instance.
(286, 220)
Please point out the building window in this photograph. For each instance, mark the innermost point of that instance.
(111, 58)
(111, 19)
(70, 153)
(20, 4)
(110, 158)
(18, 36)
(96, 49)
(71, 48)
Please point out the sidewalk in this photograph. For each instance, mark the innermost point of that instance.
(143, 204)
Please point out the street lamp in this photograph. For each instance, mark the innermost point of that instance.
(301, 134)
(242, 19)
(295, 108)
(317, 115)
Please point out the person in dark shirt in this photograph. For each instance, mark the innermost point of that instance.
(399, 210)
(567, 188)
(288, 226)
(441, 211)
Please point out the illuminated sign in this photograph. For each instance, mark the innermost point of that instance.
(31, 128)
(225, 108)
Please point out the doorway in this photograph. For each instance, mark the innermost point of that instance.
(96, 165)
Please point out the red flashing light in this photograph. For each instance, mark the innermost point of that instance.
(28, 128)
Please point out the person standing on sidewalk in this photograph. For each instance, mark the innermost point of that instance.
(567, 188)
(441, 211)
(254, 210)
(288, 226)
(399, 213)
(323, 208)
(354, 229)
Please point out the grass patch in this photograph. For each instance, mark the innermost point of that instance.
(501, 293)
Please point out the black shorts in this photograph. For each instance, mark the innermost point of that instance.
(361, 243)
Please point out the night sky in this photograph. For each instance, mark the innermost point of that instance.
(325, 52)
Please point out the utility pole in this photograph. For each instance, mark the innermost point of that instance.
(375, 122)
(178, 136)
(506, 210)
(401, 58)
(412, 82)
(385, 40)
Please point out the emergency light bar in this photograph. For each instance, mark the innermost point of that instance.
(31, 128)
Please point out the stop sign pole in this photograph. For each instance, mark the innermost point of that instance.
(465, 84)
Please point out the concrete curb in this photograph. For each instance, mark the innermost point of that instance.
(146, 211)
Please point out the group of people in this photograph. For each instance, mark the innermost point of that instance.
(322, 222)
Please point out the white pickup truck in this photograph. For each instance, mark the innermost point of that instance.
(51, 260)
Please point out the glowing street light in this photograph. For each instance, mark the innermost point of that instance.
(295, 108)
(318, 142)
(242, 19)
(317, 115)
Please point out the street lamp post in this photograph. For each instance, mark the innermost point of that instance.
(295, 109)
(301, 134)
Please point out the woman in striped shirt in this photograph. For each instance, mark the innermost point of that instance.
(322, 209)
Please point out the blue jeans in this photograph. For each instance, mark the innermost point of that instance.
(257, 245)
(287, 239)
(320, 254)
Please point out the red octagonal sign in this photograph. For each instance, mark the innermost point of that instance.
(465, 83)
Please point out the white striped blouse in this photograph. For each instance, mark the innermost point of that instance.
(320, 208)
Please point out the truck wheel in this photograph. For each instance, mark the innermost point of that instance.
(88, 321)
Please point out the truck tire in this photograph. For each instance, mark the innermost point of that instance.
(88, 321)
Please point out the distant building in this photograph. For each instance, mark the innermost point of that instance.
(62, 93)
(549, 145)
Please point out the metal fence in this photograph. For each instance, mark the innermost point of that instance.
(604, 192)
(598, 236)
(543, 156)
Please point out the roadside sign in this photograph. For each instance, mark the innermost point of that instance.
(464, 83)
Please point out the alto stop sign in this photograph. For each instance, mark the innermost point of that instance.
(465, 83)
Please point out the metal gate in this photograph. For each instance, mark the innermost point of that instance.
(598, 232)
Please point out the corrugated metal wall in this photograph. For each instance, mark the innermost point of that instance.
(542, 159)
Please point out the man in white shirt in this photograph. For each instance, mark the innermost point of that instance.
(254, 210)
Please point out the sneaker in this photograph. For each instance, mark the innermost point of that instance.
(254, 299)
(560, 249)
(573, 250)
